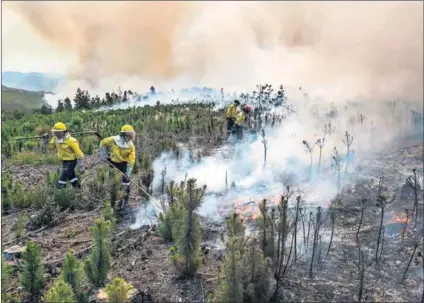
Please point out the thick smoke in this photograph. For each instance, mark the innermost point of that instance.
(338, 49)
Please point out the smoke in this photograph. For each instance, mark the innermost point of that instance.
(339, 50)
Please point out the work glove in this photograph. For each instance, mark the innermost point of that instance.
(128, 171)
(80, 166)
(103, 154)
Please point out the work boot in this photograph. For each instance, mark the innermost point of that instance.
(61, 185)
(76, 184)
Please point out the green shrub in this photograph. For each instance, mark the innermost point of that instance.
(6, 271)
(31, 276)
(32, 158)
(73, 274)
(60, 292)
(97, 265)
(21, 223)
(117, 291)
(65, 198)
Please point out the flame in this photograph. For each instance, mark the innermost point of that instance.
(399, 219)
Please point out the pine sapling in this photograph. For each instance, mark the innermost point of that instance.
(163, 174)
(296, 219)
(108, 214)
(118, 290)
(337, 165)
(61, 292)
(265, 144)
(97, 266)
(6, 271)
(309, 147)
(32, 273)
(73, 274)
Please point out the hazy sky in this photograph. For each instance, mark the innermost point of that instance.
(24, 50)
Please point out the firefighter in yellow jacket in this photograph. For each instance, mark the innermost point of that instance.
(119, 151)
(69, 152)
(231, 116)
(240, 121)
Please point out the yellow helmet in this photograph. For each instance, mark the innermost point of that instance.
(127, 128)
(59, 127)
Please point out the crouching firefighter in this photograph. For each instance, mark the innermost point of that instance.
(119, 151)
(240, 121)
(231, 117)
(69, 152)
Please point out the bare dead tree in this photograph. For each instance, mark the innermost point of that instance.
(296, 218)
(393, 104)
(412, 181)
(309, 228)
(333, 221)
(265, 144)
(163, 174)
(309, 148)
(226, 178)
(381, 202)
(302, 218)
(380, 184)
(362, 118)
(383, 231)
(348, 140)
(361, 269)
(320, 143)
(416, 243)
(404, 228)
(363, 201)
(315, 243)
(337, 165)
(328, 129)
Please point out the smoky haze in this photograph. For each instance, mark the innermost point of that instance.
(337, 49)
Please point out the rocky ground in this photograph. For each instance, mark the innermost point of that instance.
(141, 257)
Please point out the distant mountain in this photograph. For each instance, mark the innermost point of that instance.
(12, 98)
(31, 81)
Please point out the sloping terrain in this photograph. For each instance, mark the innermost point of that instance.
(19, 99)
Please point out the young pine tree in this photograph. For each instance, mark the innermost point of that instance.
(61, 292)
(118, 290)
(73, 274)
(108, 215)
(97, 265)
(188, 234)
(32, 273)
(5, 274)
(230, 288)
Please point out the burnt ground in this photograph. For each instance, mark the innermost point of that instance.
(142, 258)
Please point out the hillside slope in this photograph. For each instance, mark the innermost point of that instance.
(12, 98)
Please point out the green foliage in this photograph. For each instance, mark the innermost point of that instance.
(97, 265)
(6, 271)
(47, 215)
(31, 276)
(21, 223)
(61, 292)
(118, 290)
(186, 227)
(65, 198)
(73, 274)
(230, 289)
(31, 158)
(108, 215)
(13, 195)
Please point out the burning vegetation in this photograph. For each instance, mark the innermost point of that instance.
(310, 197)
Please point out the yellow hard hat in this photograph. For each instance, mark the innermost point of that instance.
(59, 127)
(127, 128)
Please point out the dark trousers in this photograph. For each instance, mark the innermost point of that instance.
(68, 173)
(238, 131)
(122, 167)
(230, 126)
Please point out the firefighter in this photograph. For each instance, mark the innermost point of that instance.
(119, 151)
(240, 121)
(231, 117)
(69, 152)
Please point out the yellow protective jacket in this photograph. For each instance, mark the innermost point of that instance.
(240, 118)
(68, 149)
(119, 149)
(232, 111)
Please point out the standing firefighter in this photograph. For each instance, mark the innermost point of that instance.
(231, 117)
(69, 153)
(240, 121)
(119, 151)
